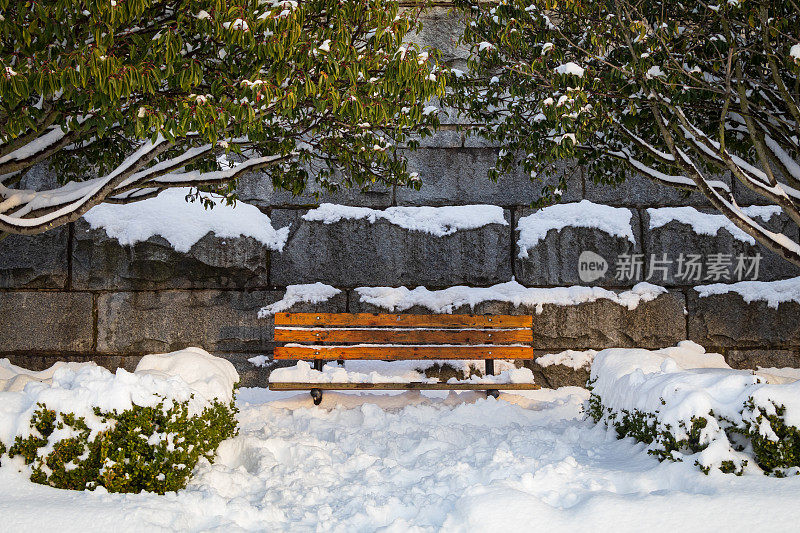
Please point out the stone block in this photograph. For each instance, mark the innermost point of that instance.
(605, 324)
(41, 177)
(101, 262)
(554, 259)
(764, 358)
(357, 306)
(675, 238)
(442, 27)
(256, 188)
(46, 322)
(35, 261)
(353, 253)
(473, 140)
(459, 177)
(726, 320)
(164, 321)
(449, 116)
(555, 376)
(745, 196)
(640, 191)
(443, 138)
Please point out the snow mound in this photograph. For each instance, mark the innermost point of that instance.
(446, 300)
(708, 223)
(184, 223)
(210, 378)
(13, 378)
(615, 221)
(689, 380)
(388, 372)
(772, 292)
(570, 358)
(191, 375)
(313, 293)
(680, 385)
(438, 221)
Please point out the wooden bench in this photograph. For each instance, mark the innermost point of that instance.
(320, 337)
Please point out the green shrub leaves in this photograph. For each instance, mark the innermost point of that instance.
(150, 449)
(773, 443)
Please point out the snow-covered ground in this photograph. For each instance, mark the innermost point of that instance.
(413, 462)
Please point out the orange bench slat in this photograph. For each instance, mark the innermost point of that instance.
(414, 336)
(390, 352)
(393, 320)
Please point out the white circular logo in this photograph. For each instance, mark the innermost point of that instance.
(591, 266)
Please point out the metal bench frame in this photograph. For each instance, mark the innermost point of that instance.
(320, 337)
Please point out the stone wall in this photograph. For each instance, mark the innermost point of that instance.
(75, 293)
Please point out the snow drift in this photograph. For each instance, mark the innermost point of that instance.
(690, 405)
(78, 425)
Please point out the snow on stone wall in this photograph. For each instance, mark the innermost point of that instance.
(183, 223)
(101, 291)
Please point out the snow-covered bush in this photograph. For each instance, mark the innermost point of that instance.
(79, 426)
(771, 422)
(688, 404)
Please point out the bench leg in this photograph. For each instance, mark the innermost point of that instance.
(494, 393)
(316, 394)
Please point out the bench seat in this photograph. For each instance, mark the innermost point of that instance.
(321, 337)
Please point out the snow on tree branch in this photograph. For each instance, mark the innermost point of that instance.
(680, 93)
(130, 98)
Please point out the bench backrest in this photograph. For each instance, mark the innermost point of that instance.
(331, 336)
